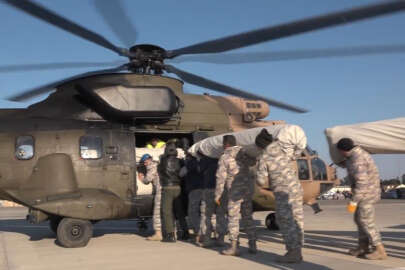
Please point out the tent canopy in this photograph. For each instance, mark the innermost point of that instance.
(380, 137)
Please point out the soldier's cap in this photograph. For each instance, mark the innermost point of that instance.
(145, 157)
(229, 139)
(263, 139)
(345, 144)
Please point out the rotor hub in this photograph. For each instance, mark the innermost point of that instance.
(146, 58)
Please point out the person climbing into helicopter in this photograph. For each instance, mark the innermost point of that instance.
(151, 176)
(155, 143)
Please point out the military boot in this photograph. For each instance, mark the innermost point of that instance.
(292, 256)
(196, 239)
(169, 238)
(220, 241)
(207, 242)
(156, 237)
(252, 247)
(183, 235)
(361, 249)
(233, 250)
(378, 254)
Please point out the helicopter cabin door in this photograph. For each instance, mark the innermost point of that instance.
(119, 162)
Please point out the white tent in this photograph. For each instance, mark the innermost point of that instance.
(381, 137)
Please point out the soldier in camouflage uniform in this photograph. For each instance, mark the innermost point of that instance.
(277, 168)
(210, 220)
(234, 175)
(152, 176)
(365, 180)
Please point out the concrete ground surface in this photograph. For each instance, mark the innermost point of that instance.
(120, 245)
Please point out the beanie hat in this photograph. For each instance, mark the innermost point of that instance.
(263, 139)
(145, 157)
(345, 144)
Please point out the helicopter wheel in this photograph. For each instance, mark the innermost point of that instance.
(74, 233)
(271, 222)
(54, 223)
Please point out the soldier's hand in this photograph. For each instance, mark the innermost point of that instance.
(141, 176)
(217, 202)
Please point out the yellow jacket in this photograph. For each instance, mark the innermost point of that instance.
(160, 144)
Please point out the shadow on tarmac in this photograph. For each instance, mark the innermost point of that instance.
(338, 241)
(268, 258)
(398, 227)
(330, 241)
(37, 232)
(41, 231)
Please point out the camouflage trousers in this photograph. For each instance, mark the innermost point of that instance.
(364, 217)
(241, 206)
(213, 216)
(194, 205)
(157, 225)
(290, 214)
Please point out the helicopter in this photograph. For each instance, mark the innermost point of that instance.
(71, 157)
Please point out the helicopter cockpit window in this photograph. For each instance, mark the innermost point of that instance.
(24, 148)
(303, 169)
(319, 169)
(91, 147)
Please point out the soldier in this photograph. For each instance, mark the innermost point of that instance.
(233, 175)
(172, 204)
(276, 167)
(193, 184)
(152, 176)
(209, 167)
(365, 179)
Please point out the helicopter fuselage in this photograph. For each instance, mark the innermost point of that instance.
(73, 155)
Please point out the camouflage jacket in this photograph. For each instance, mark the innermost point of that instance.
(152, 175)
(276, 169)
(364, 175)
(234, 171)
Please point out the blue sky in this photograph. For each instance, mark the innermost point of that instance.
(339, 90)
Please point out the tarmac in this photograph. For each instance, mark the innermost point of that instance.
(121, 245)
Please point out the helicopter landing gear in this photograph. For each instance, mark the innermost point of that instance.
(271, 222)
(74, 233)
(54, 223)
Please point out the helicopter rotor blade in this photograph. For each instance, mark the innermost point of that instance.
(259, 57)
(64, 65)
(51, 17)
(114, 14)
(28, 94)
(219, 87)
(289, 29)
